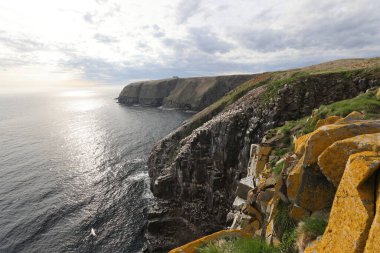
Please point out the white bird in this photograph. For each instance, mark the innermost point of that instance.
(93, 231)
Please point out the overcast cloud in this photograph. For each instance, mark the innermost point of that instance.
(117, 41)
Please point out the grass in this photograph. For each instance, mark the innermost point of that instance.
(282, 220)
(366, 103)
(278, 168)
(314, 226)
(240, 245)
(288, 241)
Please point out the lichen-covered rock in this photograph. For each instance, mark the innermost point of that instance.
(333, 160)
(324, 136)
(353, 209)
(373, 241)
(353, 116)
(309, 188)
(260, 159)
(298, 213)
(193, 246)
(300, 143)
(306, 185)
(327, 121)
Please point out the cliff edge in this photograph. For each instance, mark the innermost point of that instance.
(195, 170)
(184, 93)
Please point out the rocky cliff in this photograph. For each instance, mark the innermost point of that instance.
(194, 171)
(184, 93)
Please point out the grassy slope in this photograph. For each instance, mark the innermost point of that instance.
(275, 80)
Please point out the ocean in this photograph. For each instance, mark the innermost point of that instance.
(73, 175)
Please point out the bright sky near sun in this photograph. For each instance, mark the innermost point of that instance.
(117, 41)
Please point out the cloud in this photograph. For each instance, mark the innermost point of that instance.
(104, 38)
(208, 41)
(116, 41)
(90, 18)
(186, 9)
(21, 44)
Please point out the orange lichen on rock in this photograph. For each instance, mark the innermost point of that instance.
(325, 136)
(297, 213)
(333, 160)
(373, 241)
(223, 234)
(353, 116)
(308, 187)
(353, 209)
(299, 144)
(327, 121)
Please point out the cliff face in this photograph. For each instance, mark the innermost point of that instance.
(184, 93)
(194, 171)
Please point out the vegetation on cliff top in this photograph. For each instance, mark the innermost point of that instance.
(240, 245)
(273, 81)
(366, 103)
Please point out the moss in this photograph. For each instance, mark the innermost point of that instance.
(240, 245)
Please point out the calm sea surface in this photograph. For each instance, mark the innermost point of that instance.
(72, 161)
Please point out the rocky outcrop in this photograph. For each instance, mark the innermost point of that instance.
(197, 171)
(184, 93)
(353, 211)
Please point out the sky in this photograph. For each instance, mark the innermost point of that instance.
(120, 41)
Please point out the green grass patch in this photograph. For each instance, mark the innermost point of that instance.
(288, 241)
(366, 103)
(314, 226)
(278, 168)
(240, 245)
(282, 220)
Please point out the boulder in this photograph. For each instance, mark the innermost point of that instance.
(252, 211)
(327, 121)
(244, 186)
(259, 160)
(300, 143)
(333, 160)
(309, 188)
(325, 136)
(264, 197)
(353, 116)
(353, 208)
(373, 241)
(298, 213)
(252, 227)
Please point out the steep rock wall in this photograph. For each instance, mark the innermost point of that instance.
(194, 178)
(185, 93)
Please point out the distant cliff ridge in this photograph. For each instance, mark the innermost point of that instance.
(185, 93)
